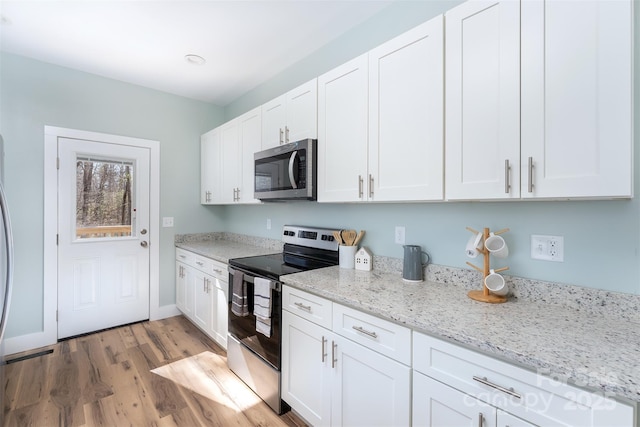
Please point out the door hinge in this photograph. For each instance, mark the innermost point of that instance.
(57, 239)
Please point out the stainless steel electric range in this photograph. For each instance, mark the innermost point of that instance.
(255, 306)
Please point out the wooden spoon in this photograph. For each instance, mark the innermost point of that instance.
(349, 237)
(358, 238)
(338, 237)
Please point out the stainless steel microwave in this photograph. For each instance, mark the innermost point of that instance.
(286, 172)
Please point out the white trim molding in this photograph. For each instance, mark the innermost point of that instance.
(49, 334)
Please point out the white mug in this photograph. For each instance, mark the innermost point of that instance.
(497, 246)
(496, 283)
(474, 243)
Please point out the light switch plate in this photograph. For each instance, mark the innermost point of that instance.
(547, 248)
(167, 221)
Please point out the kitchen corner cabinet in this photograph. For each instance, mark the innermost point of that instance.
(210, 167)
(291, 117)
(453, 385)
(380, 122)
(201, 293)
(239, 139)
(334, 367)
(541, 109)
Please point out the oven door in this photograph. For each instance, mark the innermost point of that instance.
(243, 329)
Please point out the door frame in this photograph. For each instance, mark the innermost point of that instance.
(50, 292)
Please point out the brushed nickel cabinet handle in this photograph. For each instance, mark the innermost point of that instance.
(530, 167)
(301, 306)
(364, 331)
(507, 169)
(480, 419)
(334, 361)
(370, 186)
(281, 134)
(509, 391)
(324, 354)
(286, 134)
(360, 192)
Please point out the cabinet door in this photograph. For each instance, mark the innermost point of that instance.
(482, 74)
(273, 122)
(306, 368)
(190, 291)
(209, 166)
(219, 312)
(438, 405)
(181, 286)
(368, 389)
(250, 137)
(505, 419)
(406, 113)
(342, 132)
(202, 300)
(577, 98)
(230, 164)
(302, 112)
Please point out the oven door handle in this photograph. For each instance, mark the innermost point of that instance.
(248, 277)
(292, 161)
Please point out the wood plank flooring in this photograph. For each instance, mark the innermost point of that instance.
(105, 379)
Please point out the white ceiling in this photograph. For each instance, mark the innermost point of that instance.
(245, 42)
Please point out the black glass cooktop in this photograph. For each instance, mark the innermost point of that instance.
(293, 260)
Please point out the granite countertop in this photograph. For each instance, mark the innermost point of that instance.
(596, 352)
(597, 349)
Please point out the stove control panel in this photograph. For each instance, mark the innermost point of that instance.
(321, 238)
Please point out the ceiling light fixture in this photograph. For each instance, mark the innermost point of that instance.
(194, 59)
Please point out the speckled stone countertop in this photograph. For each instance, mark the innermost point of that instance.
(588, 337)
(567, 344)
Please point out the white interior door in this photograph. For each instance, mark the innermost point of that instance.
(103, 223)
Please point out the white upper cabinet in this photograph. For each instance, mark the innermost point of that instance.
(380, 134)
(577, 98)
(230, 161)
(406, 96)
(249, 134)
(482, 100)
(291, 117)
(342, 132)
(210, 167)
(539, 99)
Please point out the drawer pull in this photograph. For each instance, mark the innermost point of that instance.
(301, 306)
(200, 263)
(480, 419)
(508, 391)
(334, 346)
(364, 331)
(183, 256)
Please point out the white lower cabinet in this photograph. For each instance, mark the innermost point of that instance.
(331, 380)
(455, 386)
(201, 293)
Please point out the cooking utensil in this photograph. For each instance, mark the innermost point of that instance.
(348, 237)
(338, 237)
(358, 238)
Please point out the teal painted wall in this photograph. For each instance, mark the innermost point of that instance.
(601, 237)
(34, 94)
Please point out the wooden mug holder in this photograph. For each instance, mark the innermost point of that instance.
(484, 295)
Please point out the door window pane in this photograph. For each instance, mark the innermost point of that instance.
(104, 206)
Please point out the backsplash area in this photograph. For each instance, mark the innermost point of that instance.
(598, 302)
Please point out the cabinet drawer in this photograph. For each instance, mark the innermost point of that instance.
(308, 306)
(186, 257)
(218, 270)
(534, 397)
(380, 335)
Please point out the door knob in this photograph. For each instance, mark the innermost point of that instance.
(144, 244)
(143, 231)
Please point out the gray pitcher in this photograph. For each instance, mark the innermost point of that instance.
(413, 266)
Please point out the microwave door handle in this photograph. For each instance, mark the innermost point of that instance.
(292, 178)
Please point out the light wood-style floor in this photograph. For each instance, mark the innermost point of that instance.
(104, 379)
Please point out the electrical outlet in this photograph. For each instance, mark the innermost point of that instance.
(399, 235)
(547, 248)
(268, 223)
(167, 221)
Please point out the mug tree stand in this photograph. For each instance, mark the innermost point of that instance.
(484, 295)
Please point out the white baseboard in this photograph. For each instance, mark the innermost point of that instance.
(164, 312)
(27, 342)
